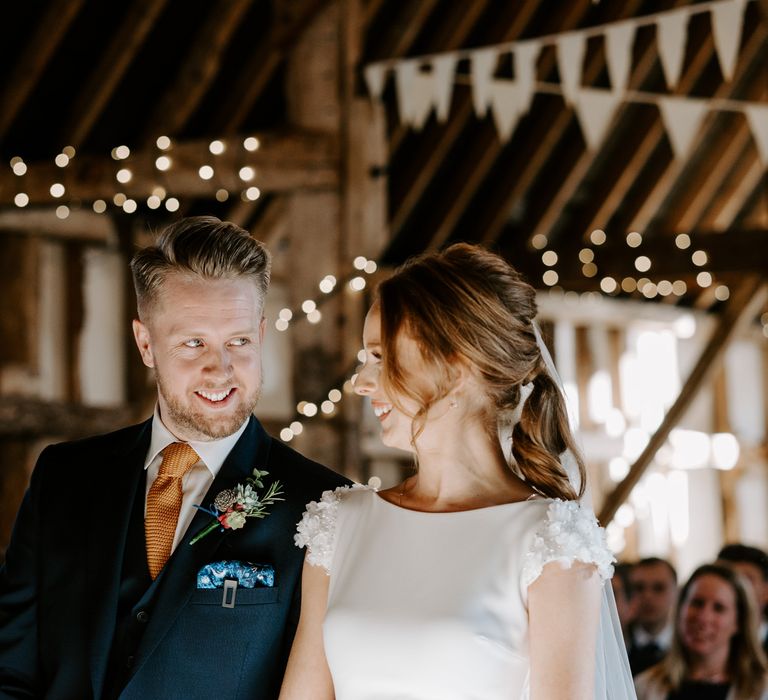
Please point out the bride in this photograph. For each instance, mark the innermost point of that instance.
(478, 576)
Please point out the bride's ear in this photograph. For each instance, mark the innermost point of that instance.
(465, 384)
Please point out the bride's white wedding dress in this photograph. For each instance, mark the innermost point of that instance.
(433, 606)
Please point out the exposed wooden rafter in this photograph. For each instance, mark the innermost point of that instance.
(255, 75)
(730, 254)
(105, 77)
(49, 31)
(639, 159)
(486, 156)
(439, 141)
(198, 70)
(551, 138)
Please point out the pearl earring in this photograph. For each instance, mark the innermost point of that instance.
(453, 403)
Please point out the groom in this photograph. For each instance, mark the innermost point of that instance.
(102, 594)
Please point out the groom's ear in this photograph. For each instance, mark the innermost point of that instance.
(143, 342)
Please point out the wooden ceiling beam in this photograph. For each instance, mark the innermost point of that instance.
(449, 39)
(371, 10)
(94, 95)
(657, 201)
(575, 178)
(198, 69)
(533, 166)
(81, 225)
(284, 161)
(436, 156)
(256, 74)
(49, 31)
(439, 141)
(638, 160)
(403, 31)
(729, 253)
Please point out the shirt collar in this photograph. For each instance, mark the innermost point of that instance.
(211, 452)
(663, 638)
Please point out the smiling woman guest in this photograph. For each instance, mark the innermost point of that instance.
(715, 652)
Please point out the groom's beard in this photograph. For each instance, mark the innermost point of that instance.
(204, 425)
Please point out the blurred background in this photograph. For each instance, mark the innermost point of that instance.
(615, 152)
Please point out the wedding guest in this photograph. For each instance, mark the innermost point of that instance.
(654, 587)
(752, 563)
(715, 653)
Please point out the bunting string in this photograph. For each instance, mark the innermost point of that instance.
(424, 84)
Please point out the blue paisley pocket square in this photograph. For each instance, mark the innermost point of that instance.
(246, 574)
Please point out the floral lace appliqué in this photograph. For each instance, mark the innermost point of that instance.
(317, 528)
(570, 533)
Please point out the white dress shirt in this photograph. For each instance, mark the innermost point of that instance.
(642, 638)
(198, 479)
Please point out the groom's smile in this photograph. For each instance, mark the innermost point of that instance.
(203, 340)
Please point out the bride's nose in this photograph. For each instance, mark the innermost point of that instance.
(366, 380)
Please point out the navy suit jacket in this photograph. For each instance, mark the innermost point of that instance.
(61, 581)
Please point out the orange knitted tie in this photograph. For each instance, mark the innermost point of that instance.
(164, 503)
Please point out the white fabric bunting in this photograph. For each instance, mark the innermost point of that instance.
(757, 117)
(415, 93)
(619, 38)
(570, 57)
(682, 117)
(374, 79)
(505, 104)
(483, 64)
(671, 32)
(443, 71)
(727, 20)
(595, 110)
(526, 55)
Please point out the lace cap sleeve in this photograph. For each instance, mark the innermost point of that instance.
(569, 533)
(317, 528)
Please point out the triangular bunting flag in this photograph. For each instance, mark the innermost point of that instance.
(505, 104)
(423, 98)
(595, 110)
(671, 33)
(619, 39)
(444, 69)
(526, 55)
(405, 75)
(757, 117)
(415, 92)
(727, 20)
(482, 65)
(570, 58)
(374, 79)
(682, 117)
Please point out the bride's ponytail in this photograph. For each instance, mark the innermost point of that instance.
(540, 436)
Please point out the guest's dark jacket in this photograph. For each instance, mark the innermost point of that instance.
(80, 617)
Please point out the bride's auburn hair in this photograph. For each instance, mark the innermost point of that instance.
(468, 306)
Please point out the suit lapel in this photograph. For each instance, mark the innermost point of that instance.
(118, 474)
(178, 579)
